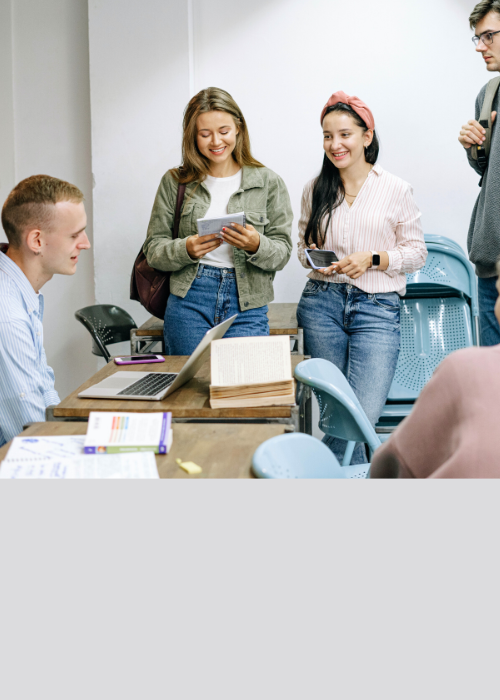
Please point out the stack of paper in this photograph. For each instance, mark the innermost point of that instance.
(62, 457)
(253, 371)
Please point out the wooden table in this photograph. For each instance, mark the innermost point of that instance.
(222, 451)
(189, 403)
(282, 321)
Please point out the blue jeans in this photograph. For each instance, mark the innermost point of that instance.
(489, 329)
(358, 332)
(212, 298)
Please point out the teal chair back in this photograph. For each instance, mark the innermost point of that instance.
(340, 413)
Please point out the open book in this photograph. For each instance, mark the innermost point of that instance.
(254, 371)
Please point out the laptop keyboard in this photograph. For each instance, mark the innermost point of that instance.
(150, 385)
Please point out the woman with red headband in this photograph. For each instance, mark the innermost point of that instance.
(350, 310)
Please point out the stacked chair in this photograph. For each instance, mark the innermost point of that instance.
(439, 314)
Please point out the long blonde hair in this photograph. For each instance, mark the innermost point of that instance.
(195, 166)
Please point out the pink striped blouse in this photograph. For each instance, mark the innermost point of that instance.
(384, 216)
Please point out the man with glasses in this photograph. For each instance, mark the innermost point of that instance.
(483, 240)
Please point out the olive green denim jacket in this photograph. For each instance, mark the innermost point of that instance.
(263, 197)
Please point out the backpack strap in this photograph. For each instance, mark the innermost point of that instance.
(481, 153)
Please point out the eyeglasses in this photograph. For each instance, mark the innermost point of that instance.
(486, 38)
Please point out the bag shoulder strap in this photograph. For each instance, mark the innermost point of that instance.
(481, 153)
(181, 191)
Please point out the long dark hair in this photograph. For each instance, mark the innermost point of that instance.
(328, 191)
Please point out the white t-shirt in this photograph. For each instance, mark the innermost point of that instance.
(221, 189)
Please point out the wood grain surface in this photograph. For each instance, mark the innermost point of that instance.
(223, 451)
(190, 401)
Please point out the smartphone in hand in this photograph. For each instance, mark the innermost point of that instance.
(319, 259)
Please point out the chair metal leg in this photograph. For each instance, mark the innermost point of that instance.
(348, 453)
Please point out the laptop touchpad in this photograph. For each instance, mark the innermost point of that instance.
(115, 383)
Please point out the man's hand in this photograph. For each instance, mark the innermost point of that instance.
(473, 133)
(353, 265)
(244, 237)
(198, 246)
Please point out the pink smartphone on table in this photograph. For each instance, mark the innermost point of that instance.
(138, 359)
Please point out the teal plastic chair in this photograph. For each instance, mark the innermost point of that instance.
(300, 456)
(340, 413)
(439, 314)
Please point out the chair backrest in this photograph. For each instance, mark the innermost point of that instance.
(445, 241)
(431, 329)
(107, 324)
(341, 414)
(446, 266)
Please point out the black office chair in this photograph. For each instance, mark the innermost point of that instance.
(107, 324)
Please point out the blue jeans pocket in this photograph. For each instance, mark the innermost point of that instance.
(388, 302)
(311, 289)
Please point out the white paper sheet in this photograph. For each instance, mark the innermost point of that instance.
(211, 227)
(136, 465)
(48, 447)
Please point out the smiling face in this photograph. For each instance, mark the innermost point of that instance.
(343, 140)
(60, 246)
(491, 53)
(216, 135)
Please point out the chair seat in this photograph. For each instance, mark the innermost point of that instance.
(300, 456)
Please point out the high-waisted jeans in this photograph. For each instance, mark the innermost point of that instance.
(488, 324)
(212, 298)
(358, 332)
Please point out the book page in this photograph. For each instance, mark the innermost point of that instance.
(46, 447)
(252, 360)
(139, 465)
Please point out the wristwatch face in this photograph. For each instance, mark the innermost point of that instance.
(375, 260)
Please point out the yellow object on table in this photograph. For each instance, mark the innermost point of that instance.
(189, 467)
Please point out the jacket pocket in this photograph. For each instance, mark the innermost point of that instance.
(257, 219)
(187, 225)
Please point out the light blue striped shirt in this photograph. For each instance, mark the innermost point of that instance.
(26, 381)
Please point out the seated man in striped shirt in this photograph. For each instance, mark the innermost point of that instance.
(44, 220)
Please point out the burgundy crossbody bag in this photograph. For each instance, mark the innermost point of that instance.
(149, 286)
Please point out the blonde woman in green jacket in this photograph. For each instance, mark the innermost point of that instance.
(214, 278)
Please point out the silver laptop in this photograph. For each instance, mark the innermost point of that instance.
(154, 386)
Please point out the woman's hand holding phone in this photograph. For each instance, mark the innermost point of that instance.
(353, 265)
(243, 237)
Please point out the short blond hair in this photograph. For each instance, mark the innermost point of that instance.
(482, 9)
(31, 202)
(195, 166)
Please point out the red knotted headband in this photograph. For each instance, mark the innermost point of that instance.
(357, 105)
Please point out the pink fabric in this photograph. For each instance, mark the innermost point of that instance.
(384, 216)
(357, 105)
(452, 433)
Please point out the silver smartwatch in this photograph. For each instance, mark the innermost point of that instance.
(375, 259)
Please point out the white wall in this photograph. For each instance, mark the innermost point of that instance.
(139, 76)
(7, 173)
(51, 118)
(413, 63)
